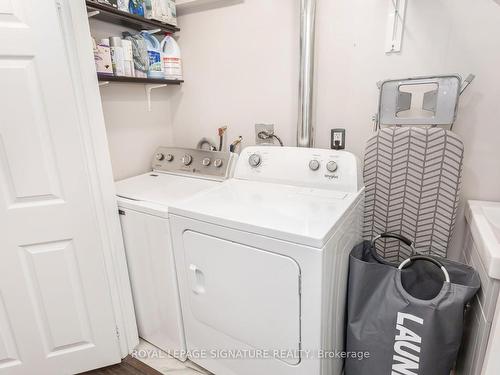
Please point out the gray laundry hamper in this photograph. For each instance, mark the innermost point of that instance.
(407, 317)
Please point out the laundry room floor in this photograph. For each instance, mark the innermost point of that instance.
(163, 363)
(128, 366)
(147, 359)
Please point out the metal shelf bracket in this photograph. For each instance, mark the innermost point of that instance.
(148, 89)
(153, 31)
(395, 26)
(92, 13)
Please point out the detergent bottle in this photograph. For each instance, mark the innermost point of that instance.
(172, 61)
(155, 56)
(136, 7)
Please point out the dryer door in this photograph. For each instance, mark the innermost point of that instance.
(241, 295)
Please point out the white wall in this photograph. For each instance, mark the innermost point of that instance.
(133, 132)
(241, 68)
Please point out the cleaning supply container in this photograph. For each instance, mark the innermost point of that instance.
(123, 5)
(172, 61)
(155, 69)
(136, 7)
(128, 58)
(139, 54)
(117, 56)
(148, 9)
(406, 318)
(102, 57)
(169, 12)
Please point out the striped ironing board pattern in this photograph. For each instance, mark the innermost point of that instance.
(412, 178)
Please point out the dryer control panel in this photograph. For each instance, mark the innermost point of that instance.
(194, 162)
(309, 167)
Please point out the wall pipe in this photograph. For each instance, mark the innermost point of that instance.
(305, 129)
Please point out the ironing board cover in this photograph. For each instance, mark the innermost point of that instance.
(412, 178)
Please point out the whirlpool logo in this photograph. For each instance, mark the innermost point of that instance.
(331, 176)
(407, 343)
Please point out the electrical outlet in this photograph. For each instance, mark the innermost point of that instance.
(337, 139)
(269, 128)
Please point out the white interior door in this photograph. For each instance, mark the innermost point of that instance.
(56, 315)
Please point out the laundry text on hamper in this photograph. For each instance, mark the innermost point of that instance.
(406, 342)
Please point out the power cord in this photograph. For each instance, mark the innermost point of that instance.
(264, 134)
(205, 141)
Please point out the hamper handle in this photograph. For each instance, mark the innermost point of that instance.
(436, 262)
(399, 237)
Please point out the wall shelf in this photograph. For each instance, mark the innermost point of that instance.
(150, 84)
(108, 14)
(181, 4)
(103, 78)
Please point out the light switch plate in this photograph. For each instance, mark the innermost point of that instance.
(337, 139)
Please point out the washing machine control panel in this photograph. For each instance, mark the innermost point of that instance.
(212, 164)
(316, 168)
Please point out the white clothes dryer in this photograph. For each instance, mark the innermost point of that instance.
(262, 262)
(144, 202)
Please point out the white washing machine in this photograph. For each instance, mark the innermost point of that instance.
(143, 205)
(262, 262)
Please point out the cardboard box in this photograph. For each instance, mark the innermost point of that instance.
(102, 57)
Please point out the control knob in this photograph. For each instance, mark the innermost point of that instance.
(314, 165)
(187, 159)
(159, 156)
(218, 163)
(331, 166)
(169, 157)
(206, 162)
(254, 160)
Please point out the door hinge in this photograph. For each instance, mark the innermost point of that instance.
(121, 212)
(117, 332)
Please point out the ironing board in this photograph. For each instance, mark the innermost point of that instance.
(412, 178)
